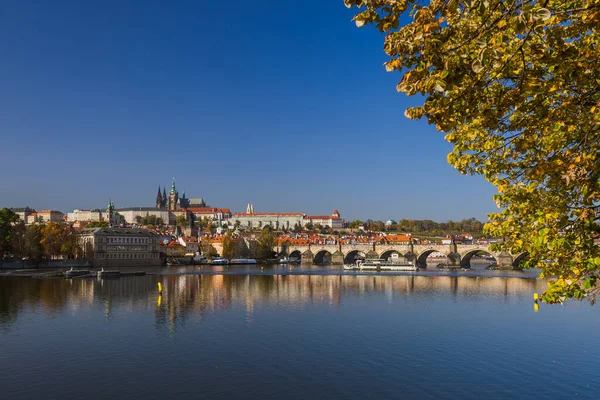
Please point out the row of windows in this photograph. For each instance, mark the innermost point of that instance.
(128, 240)
(126, 248)
(128, 256)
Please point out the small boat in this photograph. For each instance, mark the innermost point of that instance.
(76, 272)
(241, 261)
(105, 274)
(378, 264)
(220, 261)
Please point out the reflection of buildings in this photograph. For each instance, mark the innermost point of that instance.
(194, 297)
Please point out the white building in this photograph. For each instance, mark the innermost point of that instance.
(333, 221)
(217, 215)
(23, 213)
(46, 216)
(131, 213)
(85, 215)
(274, 220)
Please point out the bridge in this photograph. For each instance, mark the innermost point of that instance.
(457, 255)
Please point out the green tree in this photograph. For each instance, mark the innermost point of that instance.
(377, 226)
(181, 220)
(514, 86)
(97, 224)
(355, 224)
(18, 239)
(33, 242)
(266, 242)
(229, 246)
(138, 219)
(207, 249)
(7, 219)
(234, 246)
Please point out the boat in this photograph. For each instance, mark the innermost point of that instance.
(289, 260)
(242, 261)
(379, 264)
(107, 274)
(76, 272)
(219, 261)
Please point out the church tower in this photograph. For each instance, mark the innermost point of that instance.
(173, 197)
(110, 212)
(163, 203)
(159, 200)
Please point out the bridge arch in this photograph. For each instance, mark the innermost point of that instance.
(353, 255)
(422, 258)
(390, 254)
(296, 254)
(465, 259)
(323, 257)
(519, 259)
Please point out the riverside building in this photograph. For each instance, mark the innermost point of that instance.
(120, 247)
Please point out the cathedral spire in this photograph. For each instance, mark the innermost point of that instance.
(158, 198)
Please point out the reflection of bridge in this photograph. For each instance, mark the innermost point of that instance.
(456, 254)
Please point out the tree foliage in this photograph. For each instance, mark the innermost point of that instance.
(7, 219)
(234, 246)
(207, 249)
(33, 243)
(97, 224)
(266, 242)
(152, 220)
(181, 220)
(58, 240)
(515, 87)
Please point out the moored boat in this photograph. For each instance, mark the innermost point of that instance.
(219, 261)
(377, 264)
(240, 261)
(72, 273)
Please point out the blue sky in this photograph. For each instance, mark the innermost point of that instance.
(284, 104)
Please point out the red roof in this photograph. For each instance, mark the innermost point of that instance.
(268, 215)
(320, 217)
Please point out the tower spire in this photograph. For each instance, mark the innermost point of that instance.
(158, 198)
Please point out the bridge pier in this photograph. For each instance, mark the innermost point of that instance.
(372, 254)
(505, 260)
(454, 260)
(411, 257)
(307, 257)
(337, 257)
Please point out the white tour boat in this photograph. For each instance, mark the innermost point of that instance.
(241, 261)
(378, 264)
(219, 261)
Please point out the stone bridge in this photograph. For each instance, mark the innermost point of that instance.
(456, 255)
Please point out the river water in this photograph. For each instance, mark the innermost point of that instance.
(298, 333)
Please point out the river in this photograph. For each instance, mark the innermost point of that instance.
(295, 333)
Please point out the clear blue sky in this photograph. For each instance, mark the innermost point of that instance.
(284, 104)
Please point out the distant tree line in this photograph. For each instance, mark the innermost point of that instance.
(428, 226)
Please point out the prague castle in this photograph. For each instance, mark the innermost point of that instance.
(168, 207)
(173, 202)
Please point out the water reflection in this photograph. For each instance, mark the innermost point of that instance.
(185, 296)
